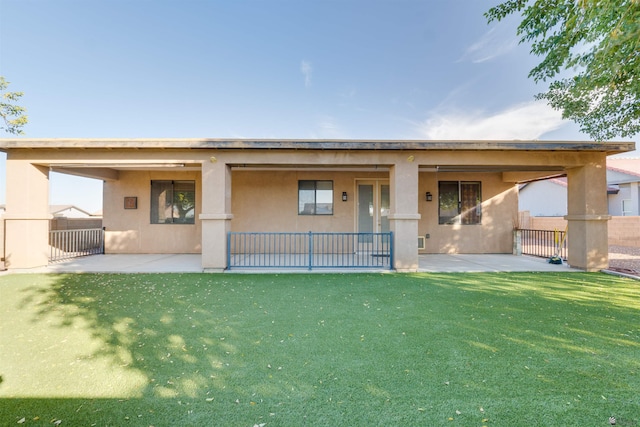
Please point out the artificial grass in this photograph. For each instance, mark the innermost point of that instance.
(499, 349)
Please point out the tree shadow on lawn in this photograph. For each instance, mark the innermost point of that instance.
(378, 349)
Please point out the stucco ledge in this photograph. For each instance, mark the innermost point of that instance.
(405, 217)
(587, 217)
(209, 216)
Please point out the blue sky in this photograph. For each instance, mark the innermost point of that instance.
(403, 69)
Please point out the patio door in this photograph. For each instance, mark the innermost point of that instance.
(373, 206)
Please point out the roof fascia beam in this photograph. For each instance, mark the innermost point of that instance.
(528, 176)
(104, 174)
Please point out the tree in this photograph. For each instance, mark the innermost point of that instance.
(12, 114)
(598, 43)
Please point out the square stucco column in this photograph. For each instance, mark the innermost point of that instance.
(404, 215)
(216, 214)
(27, 215)
(587, 217)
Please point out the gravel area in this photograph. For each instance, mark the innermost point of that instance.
(625, 259)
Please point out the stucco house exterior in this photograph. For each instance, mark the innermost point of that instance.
(623, 176)
(548, 198)
(461, 196)
(64, 211)
(68, 211)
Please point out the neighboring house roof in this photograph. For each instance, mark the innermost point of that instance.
(56, 209)
(622, 171)
(562, 181)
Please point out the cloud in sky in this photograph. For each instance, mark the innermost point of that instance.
(526, 121)
(327, 127)
(498, 41)
(307, 70)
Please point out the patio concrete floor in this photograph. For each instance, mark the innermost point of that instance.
(191, 263)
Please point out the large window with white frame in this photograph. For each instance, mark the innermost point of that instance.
(173, 202)
(459, 202)
(315, 197)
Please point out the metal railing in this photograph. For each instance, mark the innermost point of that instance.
(544, 243)
(65, 244)
(309, 250)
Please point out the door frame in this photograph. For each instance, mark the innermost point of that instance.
(377, 202)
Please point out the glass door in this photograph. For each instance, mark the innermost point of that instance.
(373, 206)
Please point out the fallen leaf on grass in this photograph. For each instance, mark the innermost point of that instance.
(22, 420)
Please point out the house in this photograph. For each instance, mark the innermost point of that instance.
(187, 195)
(623, 176)
(68, 211)
(548, 198)
(62, 211)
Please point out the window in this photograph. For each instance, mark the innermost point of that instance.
(459, 202)
(315, 197)
(173, 202)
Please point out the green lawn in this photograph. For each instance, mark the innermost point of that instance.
(510, 349)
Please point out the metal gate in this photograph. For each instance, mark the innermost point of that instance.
(65, 244)
(544, 243)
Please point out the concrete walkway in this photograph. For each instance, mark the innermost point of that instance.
(191, 263)
(471, 263)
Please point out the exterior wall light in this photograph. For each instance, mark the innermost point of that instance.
(428, 196)
(344, 196)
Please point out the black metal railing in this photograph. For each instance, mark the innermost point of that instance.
(65, 244)
(544, 243)
(309, 250)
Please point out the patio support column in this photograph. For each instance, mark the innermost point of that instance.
(587, 217)
(27, 215)
(404, 216)
(216, 214)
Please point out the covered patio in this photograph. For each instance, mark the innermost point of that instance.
(186, 196)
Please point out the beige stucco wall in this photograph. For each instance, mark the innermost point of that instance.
(130, 230)
(267, 201)
(27, 216)
(499, 212)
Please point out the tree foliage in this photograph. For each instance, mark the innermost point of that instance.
(12, 114)
(598, 42)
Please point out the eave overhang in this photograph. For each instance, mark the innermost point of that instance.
(314, 144)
